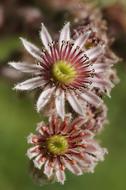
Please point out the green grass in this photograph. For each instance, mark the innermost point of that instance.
(18, 118)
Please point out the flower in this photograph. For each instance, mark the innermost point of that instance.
(60, 145)
(65, 71)
(108, 59)
(96, 118)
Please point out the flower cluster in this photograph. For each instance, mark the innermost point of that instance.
(73, 73)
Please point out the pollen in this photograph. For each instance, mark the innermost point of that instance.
(63, 72)
(57, 144)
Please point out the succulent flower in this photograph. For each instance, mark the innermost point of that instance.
(108, 59)
(96, 118)
(60, 145)
(65, 70)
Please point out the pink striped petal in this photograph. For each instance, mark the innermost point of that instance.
(48, 169)
(33, 152)
(74, 168)
(44, 98)
(60, 175)
(30, 84)
(79, 121)
(64, 34)
(60, 102)
(32, 49)
(45, 37)
(101, 67)
(91, 98)
(93, 53)
(26, 67)
(74, 102)
(80, 41)
(39, 161)
(32, 139)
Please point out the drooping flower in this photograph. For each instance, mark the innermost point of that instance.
(60, 145)
(66, 71)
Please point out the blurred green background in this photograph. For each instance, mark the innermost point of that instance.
(18, 118)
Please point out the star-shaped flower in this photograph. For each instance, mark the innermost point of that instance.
(65, 71)
(60, 145)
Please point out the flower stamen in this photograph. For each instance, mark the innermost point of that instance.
(63, 72)
(57, 144)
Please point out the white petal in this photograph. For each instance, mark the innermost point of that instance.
(91, 98)
(80, 41)
(45, 37)
(32, 49)
(29, 138)
(102, 85)
(79, 121)
(44, 98)
(30, 84)
(65, 34)
(60, 174)
(74, 102)
(100, 67)
(32, 152)
(48, 170)
(74, 168)
(60, 103)
(88, 134)
(80, 161)
(93, 53)
(33, 139)
(26, 67)
(39, 161)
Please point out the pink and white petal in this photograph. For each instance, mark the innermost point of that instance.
(93, 53)
(64, 34)
(80, 41)
(74, 168)
(100, 67)
(79, 121)
(88, 134)
(44, 98)
(33, 152)
(59, 171)
(60, 175)
(60, 103)
(102, 84)
(91, 98)
(96, 150)
(30, 84)
(39, 126)
(74, 102)
(32, 49)
(90, 168)
(26, 67)
(48, 169)
(45, 37)
(32, 139)
(39, 161)
(79, 160)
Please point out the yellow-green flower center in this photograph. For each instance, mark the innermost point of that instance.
(63, 72)
(57, 144)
